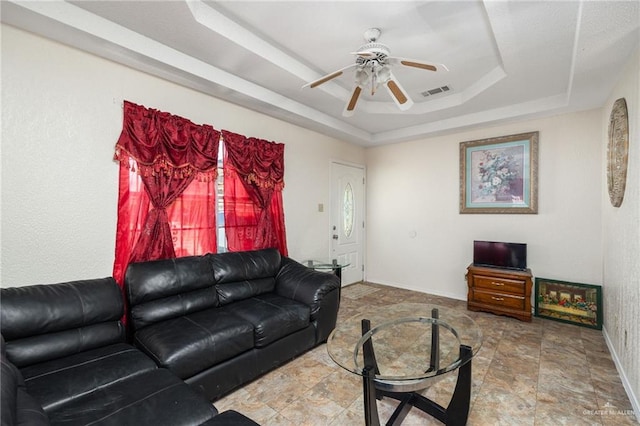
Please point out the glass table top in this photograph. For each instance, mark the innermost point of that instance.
(401, 337)
(323, 264)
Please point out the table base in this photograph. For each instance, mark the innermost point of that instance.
(455, 414)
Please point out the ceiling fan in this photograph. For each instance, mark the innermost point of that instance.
(373, 69)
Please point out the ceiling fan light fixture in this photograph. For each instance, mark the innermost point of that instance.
(384, 74)
(362, 77)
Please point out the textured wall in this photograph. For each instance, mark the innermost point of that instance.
(61, 117)
(621, 242)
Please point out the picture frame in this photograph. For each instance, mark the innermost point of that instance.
(500, 175)
(569, 302)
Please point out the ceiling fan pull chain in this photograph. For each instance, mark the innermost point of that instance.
(374, 81)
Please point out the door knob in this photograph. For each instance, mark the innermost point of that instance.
(335, 237)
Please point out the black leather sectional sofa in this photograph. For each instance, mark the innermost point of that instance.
(65, 361)
(220, 320)
(213, 321)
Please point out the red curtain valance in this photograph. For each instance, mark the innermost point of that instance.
(257, 161)
(162, 142)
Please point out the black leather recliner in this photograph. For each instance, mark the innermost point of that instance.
(220, 320)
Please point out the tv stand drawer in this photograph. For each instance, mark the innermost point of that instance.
(499, 284)
(499, 299)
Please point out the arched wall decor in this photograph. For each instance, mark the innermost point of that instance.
(618, 152)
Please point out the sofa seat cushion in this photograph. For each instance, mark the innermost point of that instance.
(192, 343)
(153, 398)
(272, 316)
(58, 381)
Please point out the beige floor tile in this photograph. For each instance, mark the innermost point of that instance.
(312, 409)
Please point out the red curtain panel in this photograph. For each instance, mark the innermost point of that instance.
(253, 183)
(169, 154)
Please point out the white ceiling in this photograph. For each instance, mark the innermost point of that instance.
(507, 60)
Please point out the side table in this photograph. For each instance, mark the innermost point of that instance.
(323, 265)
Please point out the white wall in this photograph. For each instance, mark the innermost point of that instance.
(61, 118)
(621, 242)
(413, 189)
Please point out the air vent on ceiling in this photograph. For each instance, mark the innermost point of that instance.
(435, 91)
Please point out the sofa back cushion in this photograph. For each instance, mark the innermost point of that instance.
(44, 322)
(241, 275)
(164, 289)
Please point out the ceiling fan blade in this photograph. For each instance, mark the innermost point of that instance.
(364, 54)
(328, 77)
(323, 79)
(417, 64)
(351, 105)
(398, 94)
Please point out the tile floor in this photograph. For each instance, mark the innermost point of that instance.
(539, 373)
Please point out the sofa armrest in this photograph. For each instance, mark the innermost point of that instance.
(319, 290)
(296, 281)
(17, 406)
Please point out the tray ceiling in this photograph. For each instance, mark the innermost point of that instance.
(507, 60)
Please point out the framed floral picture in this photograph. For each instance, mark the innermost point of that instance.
(499, 175)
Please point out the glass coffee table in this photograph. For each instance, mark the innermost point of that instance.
(404, 348)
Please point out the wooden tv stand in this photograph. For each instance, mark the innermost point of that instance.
(499, 291)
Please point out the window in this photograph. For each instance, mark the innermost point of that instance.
(199, 213)
(347, 213)
(170, 202)
(192, 219)
(191, 216)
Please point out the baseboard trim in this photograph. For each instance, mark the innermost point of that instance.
(625, 381)
(419, 290)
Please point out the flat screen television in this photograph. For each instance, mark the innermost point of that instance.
(496, 254)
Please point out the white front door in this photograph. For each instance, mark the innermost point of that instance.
(347, 220)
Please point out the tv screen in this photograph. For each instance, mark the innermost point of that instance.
(500, 255)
